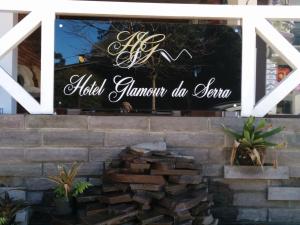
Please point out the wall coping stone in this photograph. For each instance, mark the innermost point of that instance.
(256, 172)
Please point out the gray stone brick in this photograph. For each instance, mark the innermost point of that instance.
(19, 138)
(86, 169)
(292, 139)
(284, 193)
(12, 122)
(188, 124)
(16, 193)
(179, 139)
(38, 184)
(284, 215)
(295, 171)
(256, 172)
(34, 197)
(102, 154)
(20, 169)
(289, 124)
(58, 121)
(23, 216)
(244, 185)
(287, 157)
(95, 181)
(11, 181)
(219, 155)
(213, 170)
(11, 155)
(130, 138)
(118, 123)
(252, 214)
(74, 138)
(56, 154)
(215, 123)
(254, 199)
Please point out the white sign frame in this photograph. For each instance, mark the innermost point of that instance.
(254, 21)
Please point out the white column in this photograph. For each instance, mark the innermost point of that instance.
(8, 63)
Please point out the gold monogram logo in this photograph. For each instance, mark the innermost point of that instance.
(134, 49)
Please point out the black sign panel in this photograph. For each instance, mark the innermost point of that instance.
(144, 66)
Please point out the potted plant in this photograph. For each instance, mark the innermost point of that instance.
(67, 189)
(9, 209)
(250, 145)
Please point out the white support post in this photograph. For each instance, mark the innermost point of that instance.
(248, 66)
(47, 63)
(9, 63)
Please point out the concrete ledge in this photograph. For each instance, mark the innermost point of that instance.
(284, 193)
(255, 172)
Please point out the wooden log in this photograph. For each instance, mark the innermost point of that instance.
(96, 211)
(199, 209)
(121, 208)
(95, 208)
(197, 186)
(100, 220)
(107, 188)
(174, 172)
(164, 221)
(138, 179)
(163, 165)
(146, 187)
(142, 199)
(151, 194)
(140, 166)
(148, 218)
(183, 203)
(86, 199)
(186, 179)
(176, 189)
(188, 222)
(177, 216)
(139, 151)
(115, 198)
(185, 165)
(152, 159)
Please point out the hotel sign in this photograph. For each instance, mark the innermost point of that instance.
(154, 67)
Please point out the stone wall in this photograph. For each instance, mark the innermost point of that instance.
(32, 146)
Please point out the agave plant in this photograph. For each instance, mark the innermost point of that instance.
(65, 180)
(251, 142)
(9, 209)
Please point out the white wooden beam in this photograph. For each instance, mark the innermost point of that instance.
(19, 32)
(248, 66)
(291, 56)
(47, 62)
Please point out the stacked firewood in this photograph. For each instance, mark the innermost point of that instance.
(151, 187)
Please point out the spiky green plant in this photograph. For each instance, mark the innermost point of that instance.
(65, 180)
(252, 140)
(9, 209)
